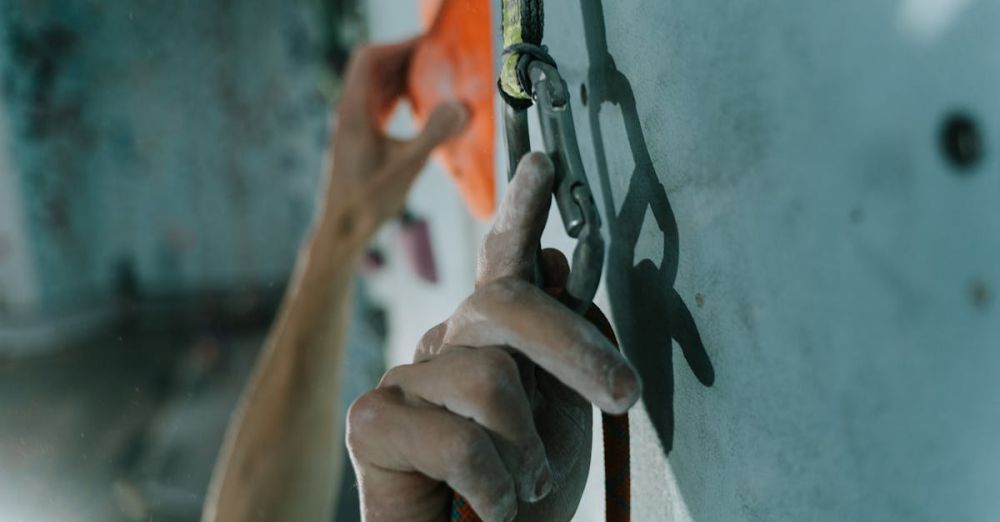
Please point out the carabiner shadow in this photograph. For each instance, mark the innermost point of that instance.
(649, 312)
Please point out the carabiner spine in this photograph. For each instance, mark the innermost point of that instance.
(571, 190)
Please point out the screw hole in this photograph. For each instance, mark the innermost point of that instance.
(583, 94)
(961, 141)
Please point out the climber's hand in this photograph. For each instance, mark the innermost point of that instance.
(371, 173)
(495, 406)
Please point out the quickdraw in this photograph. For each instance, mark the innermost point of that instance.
(529, 75)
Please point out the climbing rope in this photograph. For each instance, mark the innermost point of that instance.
(529, 75)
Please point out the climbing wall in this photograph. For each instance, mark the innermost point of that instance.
(161, 148)
(801, 204)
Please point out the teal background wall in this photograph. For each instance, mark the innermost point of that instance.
(171, 147)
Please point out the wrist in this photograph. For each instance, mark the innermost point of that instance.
(342, 235)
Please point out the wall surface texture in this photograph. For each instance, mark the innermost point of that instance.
(804, 276)
(164, 146)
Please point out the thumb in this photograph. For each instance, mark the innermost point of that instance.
(445, 122)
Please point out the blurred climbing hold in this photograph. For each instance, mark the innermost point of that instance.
(454, 61)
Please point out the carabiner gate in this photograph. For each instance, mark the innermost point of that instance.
(571, 190)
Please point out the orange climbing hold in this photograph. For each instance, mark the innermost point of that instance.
(454, 61)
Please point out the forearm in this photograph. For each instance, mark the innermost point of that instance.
(282, 455)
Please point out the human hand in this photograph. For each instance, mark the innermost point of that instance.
(496, 405)
(371, 173)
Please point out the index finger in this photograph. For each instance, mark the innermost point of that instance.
(511, 245)
(513, 312)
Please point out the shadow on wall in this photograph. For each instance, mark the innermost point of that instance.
(648, 311)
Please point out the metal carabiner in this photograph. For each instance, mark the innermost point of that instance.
(571, 190)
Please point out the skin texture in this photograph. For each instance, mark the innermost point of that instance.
(281, 457)
(497, 404)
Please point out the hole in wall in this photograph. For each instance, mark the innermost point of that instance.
(980, 294)
(961, 141)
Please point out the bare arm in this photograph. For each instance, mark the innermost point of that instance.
(281, 458)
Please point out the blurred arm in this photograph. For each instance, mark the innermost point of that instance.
(282, 454)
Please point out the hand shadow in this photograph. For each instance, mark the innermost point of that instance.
(649, 313)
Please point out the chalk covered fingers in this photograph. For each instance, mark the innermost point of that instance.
(507, 310)
(463, 416)
(484, 385)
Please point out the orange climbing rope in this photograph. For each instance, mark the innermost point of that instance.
(617, 466)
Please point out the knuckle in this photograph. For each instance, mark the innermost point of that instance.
(467, 309)
(363, 416)
(492, 377)
(504, 371)
(431, 341)
(505, 289)
(394, 376)
(501, 364)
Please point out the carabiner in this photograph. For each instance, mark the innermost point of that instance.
(571, 190)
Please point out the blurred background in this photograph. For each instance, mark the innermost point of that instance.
(159, 165)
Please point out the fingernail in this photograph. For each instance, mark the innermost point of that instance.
(623, 383)
(543, 486)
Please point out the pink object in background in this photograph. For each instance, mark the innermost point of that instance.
(373, 261)
(415, 237)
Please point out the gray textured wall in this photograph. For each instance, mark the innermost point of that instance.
(181, 138)
(779, 205)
